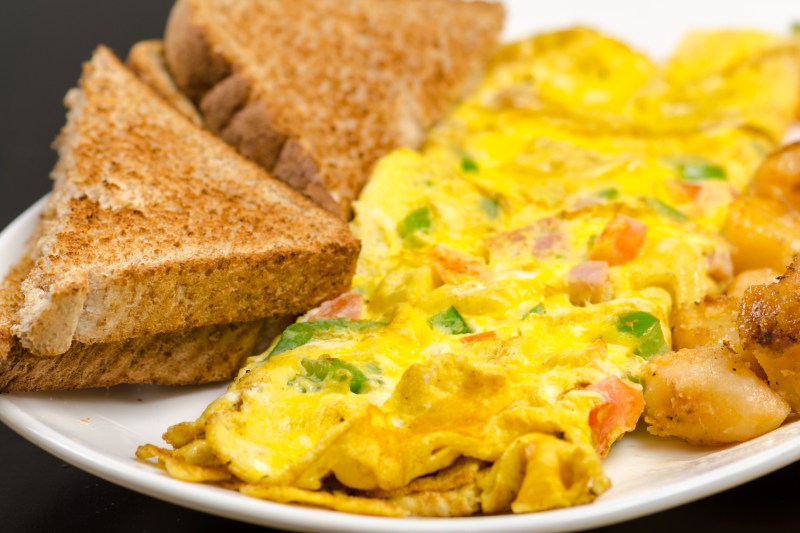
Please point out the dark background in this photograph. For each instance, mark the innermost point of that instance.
(42, 45)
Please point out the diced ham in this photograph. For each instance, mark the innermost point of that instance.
(544, 238)
(588, 282)
(347, 305)
(544, 244)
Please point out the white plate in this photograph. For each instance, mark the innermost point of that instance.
(99, 431)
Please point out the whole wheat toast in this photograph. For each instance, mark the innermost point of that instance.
(155, 225)
(191, 356)
(146, 59)
(317, 90)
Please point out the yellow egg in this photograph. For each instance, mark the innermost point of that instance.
(515, 273)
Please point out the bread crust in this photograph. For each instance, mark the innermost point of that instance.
(156, 226)
(280, 123)
(146, 60)
(193, 356)
(224, 100)
(194, 65)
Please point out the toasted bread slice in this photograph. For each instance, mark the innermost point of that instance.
(192, 356)
(146, 60)
(155, 225)
(317, 90)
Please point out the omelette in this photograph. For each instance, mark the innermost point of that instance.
(516, 274)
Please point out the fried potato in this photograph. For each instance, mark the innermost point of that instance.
(771, 313)
(711, 321)
(778, 176)
(783, 373)
(707, 396)
(764, 232)
(746, 279)
(770, 327)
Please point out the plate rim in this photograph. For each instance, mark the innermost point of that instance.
(153, 482)
(148, 480)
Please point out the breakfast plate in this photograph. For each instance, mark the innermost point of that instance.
(99, 430)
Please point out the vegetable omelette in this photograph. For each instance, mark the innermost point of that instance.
(516, 274)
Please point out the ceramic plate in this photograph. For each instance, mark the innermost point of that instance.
(100, 430)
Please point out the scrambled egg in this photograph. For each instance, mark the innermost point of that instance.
(516, 274)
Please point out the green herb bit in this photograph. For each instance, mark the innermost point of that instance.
(608, 194)
(335, 369)
(417, 220)
(665, 209)
(701, 171)
(490, 206)
(647, 328)
(292, 337)
(450, 321)
(538, 310)
(468, 164)
(302, 333)
(794, 29)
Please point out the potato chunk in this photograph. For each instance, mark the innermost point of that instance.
(748, 278)
(707, 396)
(712, 321)
(764, 233)
(779, 176)
(769, 326)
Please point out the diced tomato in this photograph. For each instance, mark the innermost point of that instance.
(617, 415)
(452, 266)
(588, 282)
(621, 241)
(689, 189)
(347, 305)
(482, 336)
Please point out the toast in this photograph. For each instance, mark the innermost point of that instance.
(315, 91)
(156, 226)
(146, 60)
(192, 356)
(199, 355)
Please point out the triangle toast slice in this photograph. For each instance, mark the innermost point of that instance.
(315, 91)
(155, 225)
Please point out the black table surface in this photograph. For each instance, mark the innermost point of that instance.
(42, 44)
